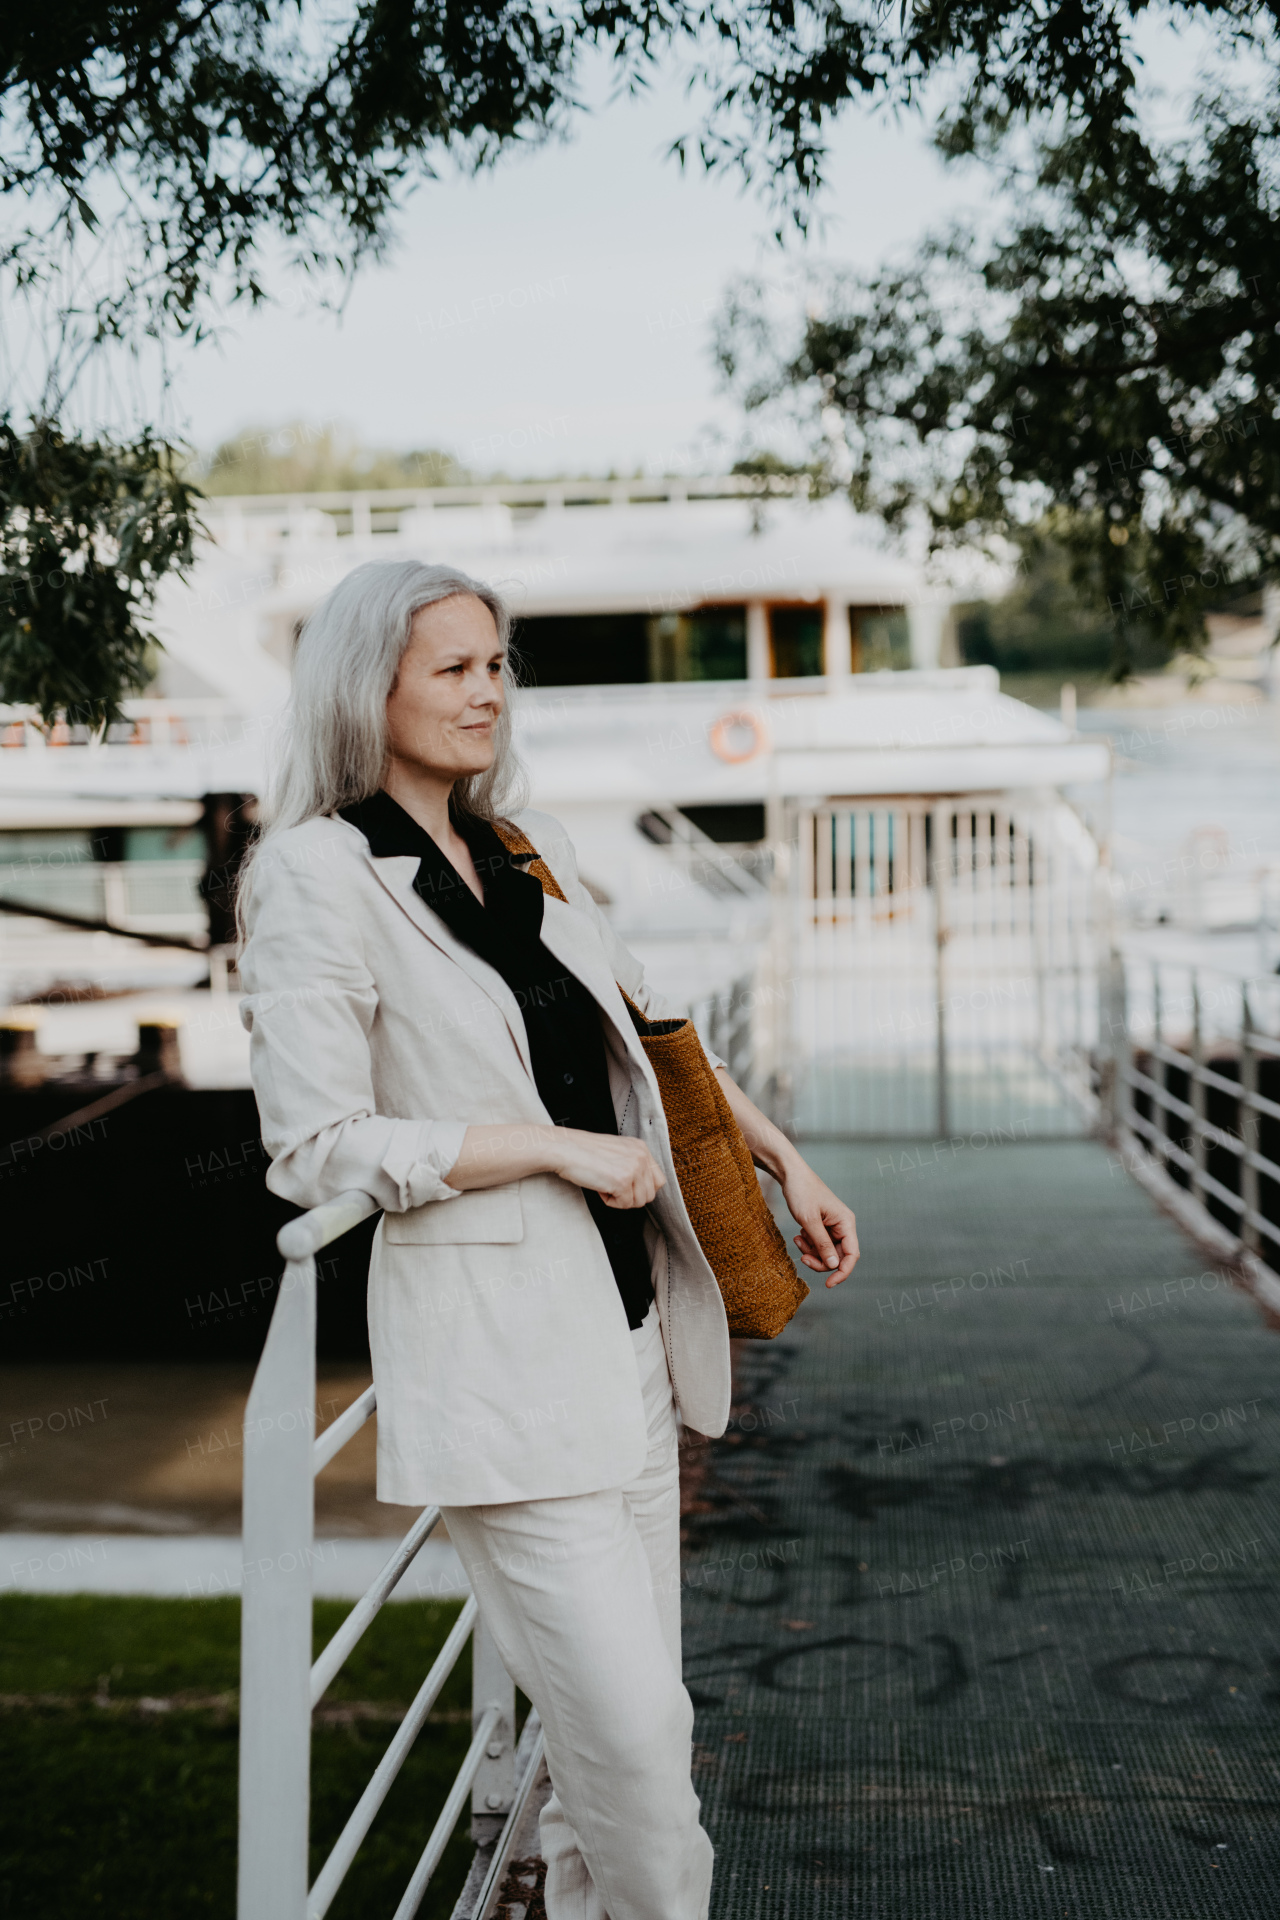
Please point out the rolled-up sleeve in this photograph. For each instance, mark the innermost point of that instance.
(309, 1011)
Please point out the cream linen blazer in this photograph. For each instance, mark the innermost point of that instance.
(501, 1355)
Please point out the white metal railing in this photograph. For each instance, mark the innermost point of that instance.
(1196, 1088)
(731, 873)
(279, 1682)
(237, 521)
(144, 896)
(193, 722)
(726, 1027)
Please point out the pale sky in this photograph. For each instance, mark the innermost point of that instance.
(555, 315)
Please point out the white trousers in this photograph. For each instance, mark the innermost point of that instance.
(582, 1597)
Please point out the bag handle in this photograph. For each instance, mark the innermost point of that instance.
(518, 843)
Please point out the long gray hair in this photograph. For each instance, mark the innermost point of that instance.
(349, 653)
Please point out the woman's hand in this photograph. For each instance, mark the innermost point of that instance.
(828, 1237)
(623, 1172)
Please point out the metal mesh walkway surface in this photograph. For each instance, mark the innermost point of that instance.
(980, 1606)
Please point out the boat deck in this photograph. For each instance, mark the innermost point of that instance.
(981, 1582)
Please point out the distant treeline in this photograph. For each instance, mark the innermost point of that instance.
(302, 458)
(299, 456)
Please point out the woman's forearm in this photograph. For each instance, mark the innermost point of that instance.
(493, 1155)
(622, 1171)
(770, 1147)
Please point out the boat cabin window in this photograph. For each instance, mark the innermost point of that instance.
(732, 823)
(881, 639)
(581, 649)
(706, 643)
(611, 649)
(701, 643)
(795, 641)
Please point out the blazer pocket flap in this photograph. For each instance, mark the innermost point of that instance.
(485, 1214)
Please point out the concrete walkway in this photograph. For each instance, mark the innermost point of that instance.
(210, 1565)
(981, 1608)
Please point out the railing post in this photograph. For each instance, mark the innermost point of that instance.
(1199, 1095)
(1114, 1060)
(495, 1782)
(1250, 1132)
(941, 878)
(275, 1620)
(790, 922)
(739, 1050)
(1159, 1112)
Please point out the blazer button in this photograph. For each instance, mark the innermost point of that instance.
(568, 1079)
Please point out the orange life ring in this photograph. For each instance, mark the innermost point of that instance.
(731, 723)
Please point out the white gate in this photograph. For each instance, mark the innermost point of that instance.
(937, 968)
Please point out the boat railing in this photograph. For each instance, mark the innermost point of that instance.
(187, 722)
(1195, 1097)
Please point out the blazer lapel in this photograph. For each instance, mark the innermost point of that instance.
(570, 937)
(397, 872)
(565, 933)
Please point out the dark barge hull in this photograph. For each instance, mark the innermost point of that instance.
(149, 1234)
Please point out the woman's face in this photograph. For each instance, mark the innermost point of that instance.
(448, 692)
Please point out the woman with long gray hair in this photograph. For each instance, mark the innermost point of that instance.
(428, 1026)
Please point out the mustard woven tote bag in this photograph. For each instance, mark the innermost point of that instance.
(736, 1231)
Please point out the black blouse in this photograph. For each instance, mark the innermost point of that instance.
(561, 1018)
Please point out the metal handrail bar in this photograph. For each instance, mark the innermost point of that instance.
(507, 1838)
(1215, 969)
(1170, 1150)
(367, 1608)
(443, 1828)
(315, 1229)
(334, 1870)
(1264, 1042)
(1171, 1103)
(1179, 1155)
(1173, 1057)
(1231, 1142)
(344, 1428)
(1268, 1043)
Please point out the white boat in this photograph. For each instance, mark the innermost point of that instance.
(710, 670)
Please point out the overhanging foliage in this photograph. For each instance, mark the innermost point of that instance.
(1113, 355)
(149, 149)
(88, 530)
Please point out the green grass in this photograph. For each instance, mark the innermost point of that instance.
(125, 1811)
